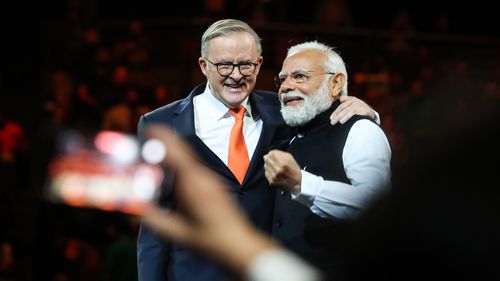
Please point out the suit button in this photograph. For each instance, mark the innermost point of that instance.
(242, 193)
(282, 192)
(279, 223)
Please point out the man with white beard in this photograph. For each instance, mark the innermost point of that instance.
(328, 173)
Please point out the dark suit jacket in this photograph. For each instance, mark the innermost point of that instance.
(161, 260)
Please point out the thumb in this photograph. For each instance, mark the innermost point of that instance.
(178, 154)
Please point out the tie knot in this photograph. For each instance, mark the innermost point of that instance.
(238, 112)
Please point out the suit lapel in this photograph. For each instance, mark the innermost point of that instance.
(183, 125)
(268, 114)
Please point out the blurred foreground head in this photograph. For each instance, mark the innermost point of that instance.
(442, 220)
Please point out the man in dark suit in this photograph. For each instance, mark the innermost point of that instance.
(231, 60)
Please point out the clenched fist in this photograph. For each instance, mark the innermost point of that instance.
(281, 169)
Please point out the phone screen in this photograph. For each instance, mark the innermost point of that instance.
(108, 171)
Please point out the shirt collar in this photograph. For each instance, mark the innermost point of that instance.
(219, 110)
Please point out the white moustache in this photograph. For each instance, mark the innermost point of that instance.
(291, 95)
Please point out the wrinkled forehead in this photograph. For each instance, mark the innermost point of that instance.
(306, 60)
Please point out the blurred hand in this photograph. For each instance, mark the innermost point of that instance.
(281, 169)
(206, 219)
(348, 107)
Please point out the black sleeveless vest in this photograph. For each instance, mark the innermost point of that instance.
(317, 147)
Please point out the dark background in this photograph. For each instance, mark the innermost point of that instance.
(25, 27)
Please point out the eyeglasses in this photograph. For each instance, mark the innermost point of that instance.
(226, 68)
(297, 77)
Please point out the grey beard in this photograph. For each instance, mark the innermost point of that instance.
(312, 106)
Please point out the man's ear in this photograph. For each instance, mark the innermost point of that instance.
(203, 65)
(260, 60)
(336, 84)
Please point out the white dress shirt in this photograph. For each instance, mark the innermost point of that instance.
(366, 159)
(213, 123)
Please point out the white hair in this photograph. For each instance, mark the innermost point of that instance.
(333, 63)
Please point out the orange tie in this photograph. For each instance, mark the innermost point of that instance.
(238, 155)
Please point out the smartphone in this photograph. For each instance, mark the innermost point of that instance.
(109, 170)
